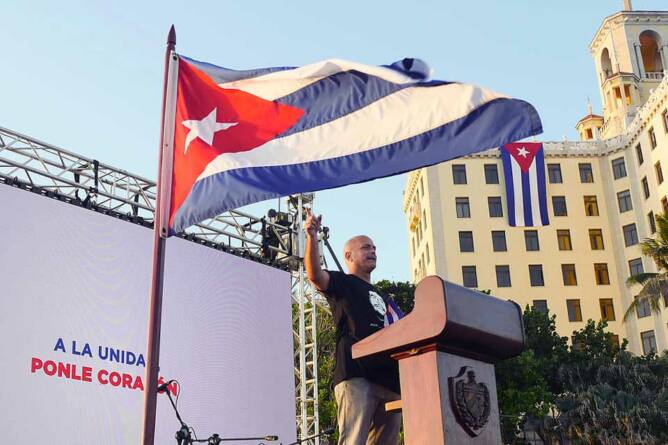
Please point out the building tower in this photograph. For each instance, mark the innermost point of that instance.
(630, 52)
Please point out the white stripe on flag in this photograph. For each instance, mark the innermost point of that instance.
(281, 83)
(383, 122)
(518, 195)
(535, 204)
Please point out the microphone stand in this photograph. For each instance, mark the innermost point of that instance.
(183, 436)
(326, 432)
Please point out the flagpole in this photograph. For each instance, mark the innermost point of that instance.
(158, 263)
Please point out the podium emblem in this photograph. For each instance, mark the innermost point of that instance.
(470, 401)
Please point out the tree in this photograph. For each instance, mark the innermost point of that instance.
(624, 401)
(527, 384)
(654, 284)
(402, 292)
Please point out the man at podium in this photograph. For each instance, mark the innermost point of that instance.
(361, 388)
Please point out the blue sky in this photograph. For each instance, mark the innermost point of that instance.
(87, 75)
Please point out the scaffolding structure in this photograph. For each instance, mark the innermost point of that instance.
(276, 240)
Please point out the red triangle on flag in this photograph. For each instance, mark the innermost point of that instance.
(211, 120)
(523, 153)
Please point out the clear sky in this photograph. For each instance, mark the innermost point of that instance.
(87, 75)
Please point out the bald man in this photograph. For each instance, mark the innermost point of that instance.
(361, 388)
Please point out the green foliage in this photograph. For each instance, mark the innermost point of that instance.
(591, 393)
(654, 284)
(400, 291)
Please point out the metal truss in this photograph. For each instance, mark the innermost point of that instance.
(276, 240)
(52, 171)
(304, 323)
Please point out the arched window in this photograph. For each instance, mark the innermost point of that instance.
(606, 64)
(650, 44)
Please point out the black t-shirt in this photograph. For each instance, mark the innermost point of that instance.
(358, 310)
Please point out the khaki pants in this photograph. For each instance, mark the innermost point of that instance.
(361, 413)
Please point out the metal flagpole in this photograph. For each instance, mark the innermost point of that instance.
(160, 234)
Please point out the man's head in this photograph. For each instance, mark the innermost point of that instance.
(360, 255)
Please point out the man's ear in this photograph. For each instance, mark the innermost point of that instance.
(348, 255)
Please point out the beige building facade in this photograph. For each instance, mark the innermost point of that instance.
(603, 192)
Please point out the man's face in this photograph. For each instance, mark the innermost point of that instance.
(362, 253)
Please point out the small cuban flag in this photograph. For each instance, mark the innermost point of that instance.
(524, 171)
(392, 312)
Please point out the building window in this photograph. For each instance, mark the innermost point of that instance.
(491, 174)
(630, 235)
(601, 273)
(540, 306)
(574, 310)
(643, 308)
(664, 204)
(652, 222)
(469, 276)
(564, 239)
(591, 205)
(499, 241)
(635, 267)
(466, 241)
(607, 309)
(645, 187)
(618, 168)
(554, 173)
(596, 239)
(614, 339)
(559, 206)
(648, 342)
(664, 118)
(652, 138)
(531, 240)
(641, 159)
(536, 277)
(422, 185)
(503, 276)
(569, 275)
(459, 173)
(624, 201)
(586, 174)
(495, 206)
(463, 209)
(659, 172)
(426, 251)
(589, 134)
(424, 219)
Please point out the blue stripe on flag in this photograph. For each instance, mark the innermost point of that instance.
(491, 125)
(526, 199)
(339, 94)
(510, 188)
(542, 190)
(222, 75)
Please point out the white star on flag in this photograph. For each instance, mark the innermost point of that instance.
(522, 152)
(204, 129)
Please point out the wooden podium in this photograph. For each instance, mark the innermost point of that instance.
(446, 348)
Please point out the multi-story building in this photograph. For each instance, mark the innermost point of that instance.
(603, 192)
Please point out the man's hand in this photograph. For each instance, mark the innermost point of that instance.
(312, 224)
(314, 272)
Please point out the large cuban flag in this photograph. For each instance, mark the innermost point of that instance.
(524, 172)
(245, 136)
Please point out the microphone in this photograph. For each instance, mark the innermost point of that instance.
(165, 386)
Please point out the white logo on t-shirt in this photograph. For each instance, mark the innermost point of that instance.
(377, 303)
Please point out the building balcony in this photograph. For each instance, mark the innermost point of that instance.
(414, 218)
(654, 75)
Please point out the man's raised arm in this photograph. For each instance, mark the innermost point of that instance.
(314, 272)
